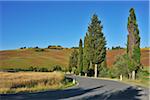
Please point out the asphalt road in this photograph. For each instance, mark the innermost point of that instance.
(87, 89)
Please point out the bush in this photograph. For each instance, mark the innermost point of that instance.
(58, 47)
(141, 74)
(39, 50)
(103, 72)
(56, 68)
(36, 69)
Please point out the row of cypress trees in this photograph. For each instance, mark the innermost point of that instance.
(94, 51)
(92, 55)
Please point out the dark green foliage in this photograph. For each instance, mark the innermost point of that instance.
(133, 42)
(39, 50)
(70, 64)
(36, 47)
(103, 72)
(90, 45)
(116, 48)
(74, 47)
(86, 54)
(98, 40)
(73, 60)
(56, 68)
(80, 59)
(22, 47)
(122, 65)
(143, 74)
(127, 44)
(94, 45)
(35, 69)
(58, 47)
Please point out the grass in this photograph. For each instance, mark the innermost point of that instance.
(29, 57)
(31, 81)
(143, 81)
(138, 82)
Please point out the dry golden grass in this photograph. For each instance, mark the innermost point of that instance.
(29, 81)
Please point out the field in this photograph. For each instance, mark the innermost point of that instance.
(30, 81)
(29, 57)
(49, 57)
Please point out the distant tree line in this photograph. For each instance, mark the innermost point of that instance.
(37, 69)
(55, 47)
(116, 48)
(74, 47)
(38, 49)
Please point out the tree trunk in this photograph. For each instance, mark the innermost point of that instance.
(72, 72)
(121, 77)
(85, 74)
(95, 71)
(74, 81)
(129, 75)
(79, 74)
(91, 65)
(133, 75)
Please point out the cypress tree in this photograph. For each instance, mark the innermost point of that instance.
(73, 61)
(133, 42)
(97, 42)
(86, 55)
(80, 59)
(91, 44)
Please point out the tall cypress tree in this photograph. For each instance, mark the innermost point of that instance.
(91, 44)
(80, 59)
(86, 55)
(97, 42)
(133, 42)
(73, 61)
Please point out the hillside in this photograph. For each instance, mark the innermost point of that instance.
(112, 54)
(29, 57)
(49, 57)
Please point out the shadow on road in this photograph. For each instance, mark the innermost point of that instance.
(127, 94)
(49, 95)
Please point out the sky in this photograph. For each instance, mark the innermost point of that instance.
(43, 23)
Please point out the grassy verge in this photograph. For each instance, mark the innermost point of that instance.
(32, 81)
(138, 82)
(69, 84)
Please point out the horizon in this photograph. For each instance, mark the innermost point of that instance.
(43, 23)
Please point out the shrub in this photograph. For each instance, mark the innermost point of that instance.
(56, 68)
(39, 50)
(141, 74)
(103, 72)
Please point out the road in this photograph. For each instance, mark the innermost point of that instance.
(87, 89)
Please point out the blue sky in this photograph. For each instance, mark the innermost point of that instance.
(35, 23)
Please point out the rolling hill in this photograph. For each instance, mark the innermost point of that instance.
(26, 58)
(30, 57)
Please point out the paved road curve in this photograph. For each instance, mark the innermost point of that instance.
(87, 89)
